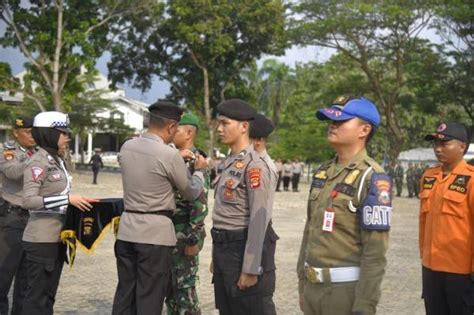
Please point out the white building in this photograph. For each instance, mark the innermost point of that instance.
(427, 156)
(132, 113)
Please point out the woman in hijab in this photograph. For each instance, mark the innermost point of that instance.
(46, 193)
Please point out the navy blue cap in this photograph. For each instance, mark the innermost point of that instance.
(346, 108)
(449, 131)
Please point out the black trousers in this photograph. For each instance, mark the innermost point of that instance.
(143, 275)
(95, 171)
(278, 181)
(44, 266)
(286, 182)
(295, 181)
(227, 256)
(447, 293)
(13, 262)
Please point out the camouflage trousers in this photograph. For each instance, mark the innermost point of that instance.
(182, 296)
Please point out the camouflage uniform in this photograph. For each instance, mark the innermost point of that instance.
(188, 222)
(411, 181)
(399, 179)
(418, 174)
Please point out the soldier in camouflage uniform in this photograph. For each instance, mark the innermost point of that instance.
(411, 180)
(188, 222)
(342, 258)
(398, 176)
(418, 174)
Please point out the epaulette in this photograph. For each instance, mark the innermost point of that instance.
(9, 145)
(470, 167)
(376, 166)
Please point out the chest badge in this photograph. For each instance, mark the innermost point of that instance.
(8, 155)
(351, 177)
(460, 184)
(239, 164)
(321, 175)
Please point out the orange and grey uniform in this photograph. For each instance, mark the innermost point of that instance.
(446, 232)
(46, 190)
(340, 271)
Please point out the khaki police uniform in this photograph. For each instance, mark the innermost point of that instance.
(240, 220)
(13, 262)
(270, 240)
(46, 194)
(342, 257)
(151, 170)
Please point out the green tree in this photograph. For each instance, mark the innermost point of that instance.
(378, 36)
(58, 38)
(200, 47)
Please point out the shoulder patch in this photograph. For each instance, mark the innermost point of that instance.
(376, 210)
(8, 155)
(428, 182)
(254, 177)
(37, 172)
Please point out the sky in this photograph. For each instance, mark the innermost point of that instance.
(159, 88)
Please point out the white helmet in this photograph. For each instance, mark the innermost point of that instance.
(55, 120)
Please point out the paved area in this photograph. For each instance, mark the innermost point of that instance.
(90, 286)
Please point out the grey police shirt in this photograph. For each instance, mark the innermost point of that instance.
(242, 195)
(151, 170)
(46, 190)
(12, 167)
(273, 179)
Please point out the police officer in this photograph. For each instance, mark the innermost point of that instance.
(398, 176)
(447, 226)
(96, 162)
(13, 263)
(46, 194)
(241, 216)
(151, 170)
(260, 128)
(342, 257)
(411, 180)
(188, 221)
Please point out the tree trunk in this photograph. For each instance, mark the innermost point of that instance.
(207, 110)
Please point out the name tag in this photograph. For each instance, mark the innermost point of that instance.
(328, 222)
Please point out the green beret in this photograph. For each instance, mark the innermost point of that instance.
(189, 119)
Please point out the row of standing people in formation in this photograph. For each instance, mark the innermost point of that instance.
(161, 231)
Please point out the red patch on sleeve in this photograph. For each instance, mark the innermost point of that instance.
(37, 172)
(254, 177)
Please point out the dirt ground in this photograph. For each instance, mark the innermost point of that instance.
(89, 287)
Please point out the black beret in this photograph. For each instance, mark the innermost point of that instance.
(166, 109)
(261, 127)
(236, 109)
(23, 122)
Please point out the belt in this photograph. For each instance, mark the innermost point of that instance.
(181, 219)
(166, 213)
(223, 236)
(341, 274)
(18, 210)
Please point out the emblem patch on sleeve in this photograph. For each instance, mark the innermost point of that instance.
(239, 164)
(8, 155)
(254, 177)
(376, 209)
(460, 184)
(37, 172)
(428, 182)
